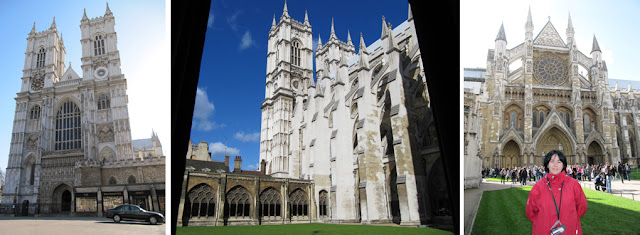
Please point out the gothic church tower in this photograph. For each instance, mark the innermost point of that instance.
(289, 73)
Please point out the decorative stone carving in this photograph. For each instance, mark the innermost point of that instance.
(105, 133)
(32, 142)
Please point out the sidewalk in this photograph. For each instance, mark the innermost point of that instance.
(472, 197)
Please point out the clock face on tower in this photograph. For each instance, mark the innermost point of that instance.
(37, 83)
(550, 69)
(101, 73)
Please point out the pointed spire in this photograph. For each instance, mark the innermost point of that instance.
(501, 34)
(410, 13)
(617, 87)
(349, 38)
(595, 46)
(333, 32)
(108, 12)
(529, 21)
(384, 28)
(363, 47)
(273, 23)
(319, 42)
(33, 30)
(363, 61)
(84, 15)
(285, 12)
(53, 25)
(570, 25)
(306, 18)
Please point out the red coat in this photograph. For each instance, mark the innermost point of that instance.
(541, 209)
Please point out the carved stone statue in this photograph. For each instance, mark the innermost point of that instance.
(105, 134)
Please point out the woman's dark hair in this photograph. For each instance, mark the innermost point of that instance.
(561, 157)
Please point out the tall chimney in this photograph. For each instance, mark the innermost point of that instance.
(263, 166)
(226, 161)
(237, 163)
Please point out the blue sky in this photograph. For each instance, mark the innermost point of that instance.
(232, 74)
(614, 23)
(143, 43)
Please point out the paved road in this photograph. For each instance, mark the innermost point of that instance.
(75, 225)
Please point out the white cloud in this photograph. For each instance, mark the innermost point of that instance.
(246, 41)
(202, 110)
(219, 150)
(233, 23)
(314, 43)
(210, 21)
(252, 137)
(253, 167)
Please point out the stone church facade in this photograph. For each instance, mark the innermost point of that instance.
(362, 133)
(71, 149)
(545, 94)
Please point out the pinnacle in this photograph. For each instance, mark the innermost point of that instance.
(108, 12)
(349, 38)
(595, 46)
(84, 15)
(384, 28)
(501, 34)
(285, 12)
(333, 32)
(306, 18)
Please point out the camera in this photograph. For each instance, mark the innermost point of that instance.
(558, 230)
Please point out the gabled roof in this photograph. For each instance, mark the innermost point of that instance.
(549, 36)
(70, 74)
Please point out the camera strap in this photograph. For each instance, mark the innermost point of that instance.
(554, 198)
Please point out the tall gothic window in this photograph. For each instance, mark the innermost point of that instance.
(295, 53)
(131, 179)
(98, 45)
(203, 201)
(103, 102)
(40, 58)
(298, 203)
(68, 121)
(323, 203)
(270, 205)
(35, 112)
(567, 119)
(238, 203)
(32, 176)
(587, 123)
(541, 118)
(513, 120)
(535, 118)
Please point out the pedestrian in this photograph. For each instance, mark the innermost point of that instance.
(608, 171)
(620, 170)
(523, 176)
(544, 208)
(628, 171)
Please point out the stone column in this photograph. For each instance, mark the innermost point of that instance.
(222, 192)
(100, 209)
(126, 195)
(154, 198)
(285, 201)
(183, 193)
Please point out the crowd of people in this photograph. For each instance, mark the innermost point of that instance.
(600, 174)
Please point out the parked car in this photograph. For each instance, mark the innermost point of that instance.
(133, 212)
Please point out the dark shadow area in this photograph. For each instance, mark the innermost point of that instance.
(188, 27)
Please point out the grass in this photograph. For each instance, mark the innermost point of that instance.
(503, 212)
(308, 229)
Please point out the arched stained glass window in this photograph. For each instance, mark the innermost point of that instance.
(98, 45)
(40, 58)
(35, 112)
(587, 123)
(103, 102)
(513, 120)
(295, 53)
(68, 127)
(535, 118)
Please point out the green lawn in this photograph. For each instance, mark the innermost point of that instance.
(503, 212)
(308, 229)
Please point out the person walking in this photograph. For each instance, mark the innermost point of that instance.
(628, 171)
(608, 170)
(523, 176)
(620, 170)
(557, 202)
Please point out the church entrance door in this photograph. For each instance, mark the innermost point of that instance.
(555, 139)
(25, 208)
(66, 201)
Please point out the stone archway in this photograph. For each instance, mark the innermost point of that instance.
(511, 155)
(594, 154)
(554, 139)
(63, 199)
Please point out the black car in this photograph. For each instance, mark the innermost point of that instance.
(133, 212)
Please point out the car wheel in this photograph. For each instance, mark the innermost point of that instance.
(153, 220)
(116, 218)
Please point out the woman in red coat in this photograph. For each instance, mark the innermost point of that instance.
(557, 200)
